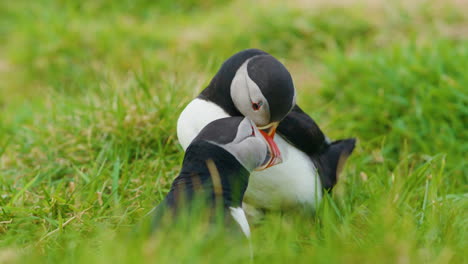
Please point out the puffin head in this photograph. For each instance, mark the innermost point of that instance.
(262, 90)
(240, 137)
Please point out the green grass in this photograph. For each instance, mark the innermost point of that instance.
(90, 94)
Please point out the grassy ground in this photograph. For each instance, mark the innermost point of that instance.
(90, 93)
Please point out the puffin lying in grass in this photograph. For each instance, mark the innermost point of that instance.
(215, 173)
(254, 84)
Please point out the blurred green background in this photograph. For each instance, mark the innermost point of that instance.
(90, 92)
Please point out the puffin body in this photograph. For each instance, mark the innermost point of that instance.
(254, 84)
(215, 172)
(292, 183)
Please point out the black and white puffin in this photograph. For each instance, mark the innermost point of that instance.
(216, 168)
(253, 83)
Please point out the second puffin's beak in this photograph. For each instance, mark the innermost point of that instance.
(274, 154)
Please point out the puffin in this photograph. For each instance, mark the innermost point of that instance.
(215, 174)
(304, 163)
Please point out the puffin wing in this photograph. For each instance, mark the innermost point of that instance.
(300, 130)
(330, 163)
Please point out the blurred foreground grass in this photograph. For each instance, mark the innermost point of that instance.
(90, 94)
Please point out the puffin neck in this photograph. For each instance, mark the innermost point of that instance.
(219, 89)
(197, 174)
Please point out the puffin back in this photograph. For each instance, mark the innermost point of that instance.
(211, 179)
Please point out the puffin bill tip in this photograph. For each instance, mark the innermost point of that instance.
(274, 154)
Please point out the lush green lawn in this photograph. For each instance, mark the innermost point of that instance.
(90, 94)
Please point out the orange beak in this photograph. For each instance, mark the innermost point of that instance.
(274, 154)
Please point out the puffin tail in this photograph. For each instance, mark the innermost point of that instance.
(331, 161)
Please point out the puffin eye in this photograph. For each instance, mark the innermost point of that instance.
(256, 106)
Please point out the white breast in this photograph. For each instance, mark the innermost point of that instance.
(239, 216)
(293, 183)
(196, 115)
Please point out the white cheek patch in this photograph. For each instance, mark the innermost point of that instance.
(249, 151)
(240, 91)
(244, 92)
(243, 130)
(256, 96)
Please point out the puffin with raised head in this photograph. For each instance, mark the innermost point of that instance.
(254, 84)
(215, 172)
